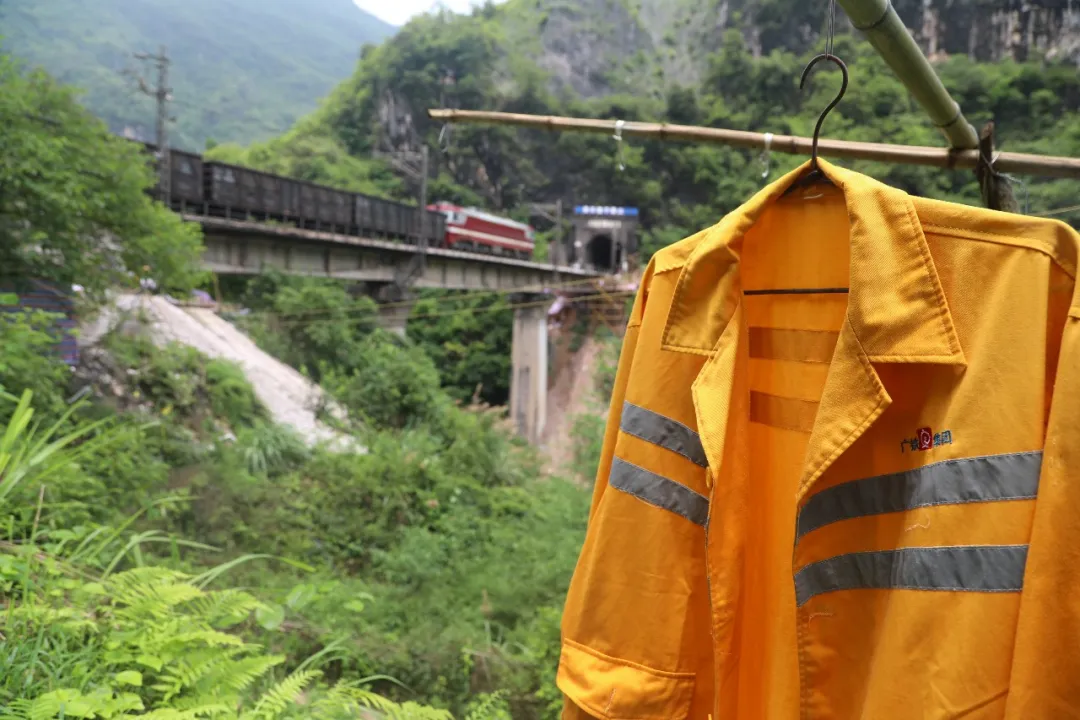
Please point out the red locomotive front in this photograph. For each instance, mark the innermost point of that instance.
(472, 229)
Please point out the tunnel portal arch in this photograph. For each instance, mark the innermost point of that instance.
(604, 237)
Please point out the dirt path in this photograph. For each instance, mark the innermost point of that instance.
(288, 396)
(569, 397)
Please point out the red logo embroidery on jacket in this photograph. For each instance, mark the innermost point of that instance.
(925, 439)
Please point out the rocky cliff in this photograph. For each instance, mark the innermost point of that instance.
(596, 47)
(996, 29)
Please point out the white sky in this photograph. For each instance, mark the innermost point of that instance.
(398, 12)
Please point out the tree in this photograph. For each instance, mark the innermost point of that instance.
(469, 338)
(73, 202)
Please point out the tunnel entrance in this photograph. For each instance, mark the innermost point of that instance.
(600, 252)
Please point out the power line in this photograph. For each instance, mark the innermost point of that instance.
(512, 306)
(1058, 211)
(500, 308)
(450, 296)
(469, 295)
(162, 94)
(518, 306)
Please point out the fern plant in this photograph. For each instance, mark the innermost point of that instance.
(161, 647)
(148, 642)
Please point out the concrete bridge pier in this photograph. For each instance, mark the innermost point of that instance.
(394, 317)
(395, 306)
(529, 365)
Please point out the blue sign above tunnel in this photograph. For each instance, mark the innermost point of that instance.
(605, 210)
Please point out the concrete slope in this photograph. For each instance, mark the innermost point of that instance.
(289, 396)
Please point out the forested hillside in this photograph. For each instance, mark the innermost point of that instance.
(721, 64)
(241, 69)
(169, 552)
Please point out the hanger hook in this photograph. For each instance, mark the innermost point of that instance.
(828, 108)
(618, 144)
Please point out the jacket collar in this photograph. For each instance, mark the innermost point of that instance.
(897, 310)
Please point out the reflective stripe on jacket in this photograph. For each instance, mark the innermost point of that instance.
(824, 505)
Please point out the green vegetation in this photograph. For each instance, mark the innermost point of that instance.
(177, 378)
(73, 209)
(679, 187)
(84, 638)
(241, 71)
(167, 551)
(437, 557)
(469, 337)
(170, 552)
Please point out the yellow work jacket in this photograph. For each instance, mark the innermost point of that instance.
(849, 504)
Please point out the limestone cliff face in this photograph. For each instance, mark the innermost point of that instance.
(997, 29)
(596, 47)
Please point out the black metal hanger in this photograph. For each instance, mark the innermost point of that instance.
(815, 176)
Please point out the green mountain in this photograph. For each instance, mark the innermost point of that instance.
(241, 70)
(721, 63)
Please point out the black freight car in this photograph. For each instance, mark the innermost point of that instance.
(322, 207)
(387, 218)
(186, 173)
(436, 229)
(186, 177)
(243, 191)
(233, 190)
(223, 187)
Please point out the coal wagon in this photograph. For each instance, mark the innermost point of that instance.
(378, 217)
(323, 207)
(185, 177)
(224, 189)
(241, 190)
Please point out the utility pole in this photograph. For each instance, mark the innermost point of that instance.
(553, 212)
(423, 207)
(415, 165)
(162, 94)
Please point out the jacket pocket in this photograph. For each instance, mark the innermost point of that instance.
(612, 689)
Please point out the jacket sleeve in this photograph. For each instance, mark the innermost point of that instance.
(1045, 680)
(635, 626)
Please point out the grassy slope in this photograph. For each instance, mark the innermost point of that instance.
(242, 70)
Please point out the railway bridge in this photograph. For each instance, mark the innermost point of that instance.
(388, 269)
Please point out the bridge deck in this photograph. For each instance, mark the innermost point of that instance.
(241, 247)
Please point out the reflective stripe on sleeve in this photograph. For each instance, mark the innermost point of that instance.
(659, 491)
(951, 482)
(665, 432)
(978, 568)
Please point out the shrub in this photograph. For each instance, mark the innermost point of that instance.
(29, 360)
(270, 449)
(308, 323)
(231, 395)
(178, 378)
(393, 385)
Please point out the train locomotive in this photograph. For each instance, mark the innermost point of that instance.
(216, 189)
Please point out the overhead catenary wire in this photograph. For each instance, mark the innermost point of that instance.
(494, 309)
(621, 294)
(1011, 162)
(449, 296)
(515, 306)
(1058, 211)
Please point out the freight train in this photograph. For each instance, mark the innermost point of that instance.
(219, 189)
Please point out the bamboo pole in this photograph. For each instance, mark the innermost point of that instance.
(1006, 162)
(877, 19)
